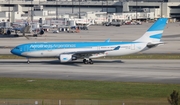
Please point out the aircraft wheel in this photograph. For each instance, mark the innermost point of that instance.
(16, 35)
(85, 61)
(8, 32)
(90, 61)
(35, 35)
(28, 61)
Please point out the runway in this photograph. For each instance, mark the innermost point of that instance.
(153, 71)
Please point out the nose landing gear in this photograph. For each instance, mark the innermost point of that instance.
(28, 61)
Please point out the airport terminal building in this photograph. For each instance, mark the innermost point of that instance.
(167, 8)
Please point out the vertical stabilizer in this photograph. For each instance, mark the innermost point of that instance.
(154, 33)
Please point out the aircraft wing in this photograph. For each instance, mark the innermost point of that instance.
(89, 52)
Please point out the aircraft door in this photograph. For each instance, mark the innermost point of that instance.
(25, 48)
(132, 46)
(98, 47)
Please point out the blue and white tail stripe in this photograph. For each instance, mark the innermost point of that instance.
(156, 36)
(154, 33)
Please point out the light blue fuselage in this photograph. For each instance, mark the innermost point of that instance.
(54, 49)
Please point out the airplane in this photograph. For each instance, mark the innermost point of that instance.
(26, 27)
(70, 51)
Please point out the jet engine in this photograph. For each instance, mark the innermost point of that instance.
(66, 58)
(41, 32)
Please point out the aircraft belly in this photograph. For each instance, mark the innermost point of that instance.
(117, 53)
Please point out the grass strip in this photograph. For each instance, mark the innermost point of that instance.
(24, 88)
(133, 56)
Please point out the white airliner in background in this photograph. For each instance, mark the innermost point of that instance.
(70, 51)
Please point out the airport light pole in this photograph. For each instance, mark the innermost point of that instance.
(56, 11)
(102, 5)
(107, 10)
(136, 10)
(107, 6)
(79, 10)
(32, 11)
(9, 12)
(72, 6)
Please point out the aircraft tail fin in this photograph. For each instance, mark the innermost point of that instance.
(154, 33)
(26, 29)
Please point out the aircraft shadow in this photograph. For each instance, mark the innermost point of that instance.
(56, 62)
(105, 61)
(172, 36)
(7, 36)
(12, 36)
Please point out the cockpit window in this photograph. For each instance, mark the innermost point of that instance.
(16, 47)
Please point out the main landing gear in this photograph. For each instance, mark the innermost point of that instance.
(89, 61)
(28, 61)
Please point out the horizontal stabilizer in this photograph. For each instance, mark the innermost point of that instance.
(155, 43)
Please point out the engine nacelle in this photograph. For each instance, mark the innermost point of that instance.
(66, 58)
(41, 32)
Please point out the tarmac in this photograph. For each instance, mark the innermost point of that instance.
(151, 71)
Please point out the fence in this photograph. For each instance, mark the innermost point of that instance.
(76, 102)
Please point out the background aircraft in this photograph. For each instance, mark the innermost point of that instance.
(28, 28)
(70, 51)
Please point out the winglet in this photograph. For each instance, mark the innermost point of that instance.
(107, 40)
(117, 48)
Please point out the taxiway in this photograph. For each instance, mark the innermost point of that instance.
(153, 71)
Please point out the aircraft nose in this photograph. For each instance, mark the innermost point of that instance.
(15, 52)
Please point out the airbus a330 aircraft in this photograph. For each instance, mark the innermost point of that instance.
(70, 51)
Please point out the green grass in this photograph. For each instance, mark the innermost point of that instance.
(134, 56)
(9, 56)
(18, 88)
